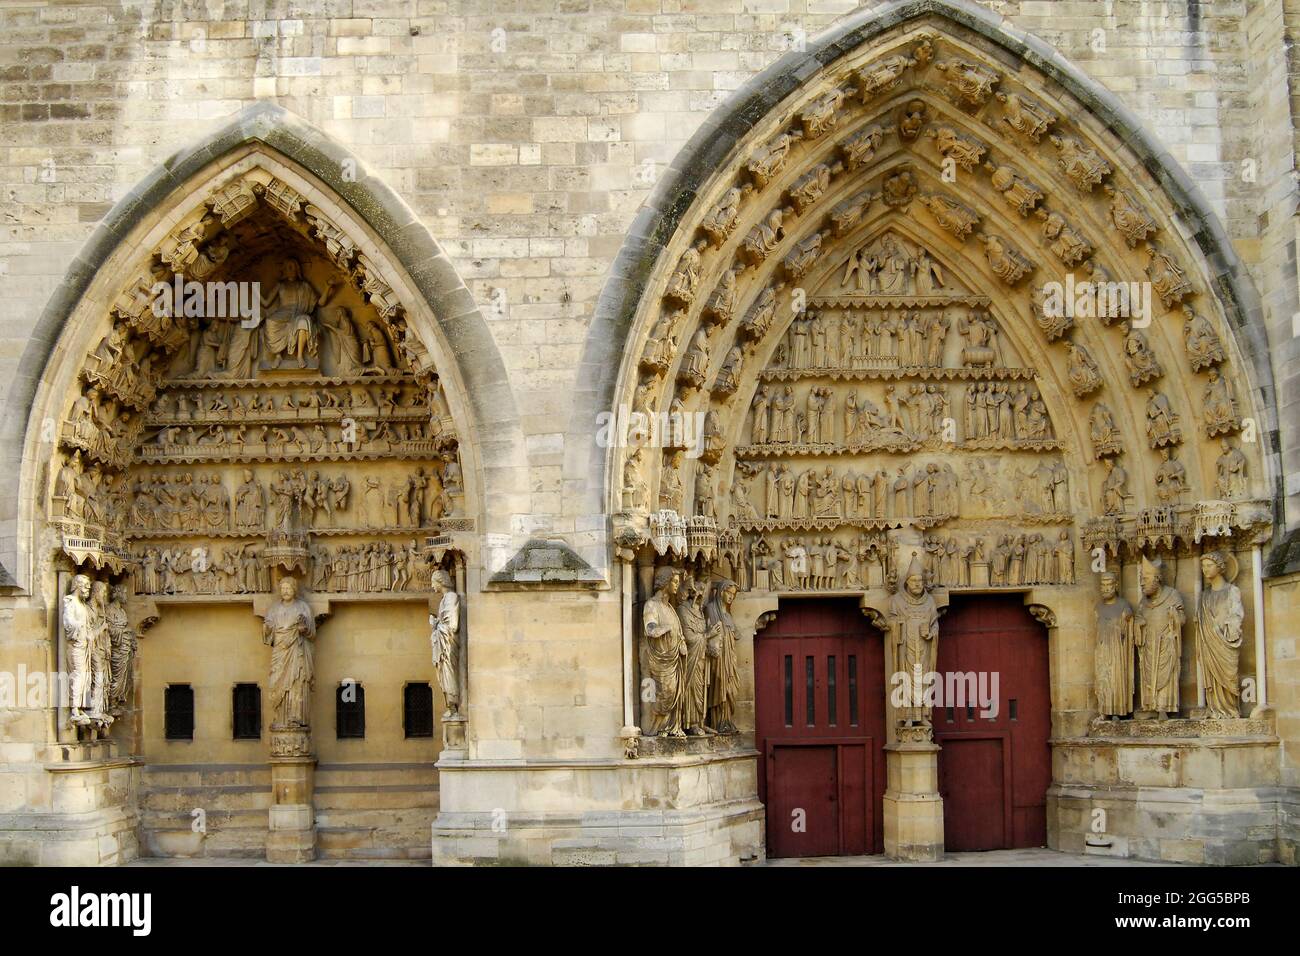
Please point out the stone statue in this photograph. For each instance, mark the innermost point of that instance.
(290, 628)
(724, 678)
(100, 655)
(1230, 471)
(666, 647)
(1219, 617)
(288, 330)
(342, 347)
(690, 611)
(1113, 655)
(445, 638)
(1160, 619)
(913, 620)
(79, 636)
(122, 647)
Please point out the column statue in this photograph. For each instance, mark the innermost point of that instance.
(913, 619)
(1219, 617)
(1160, 618)
(1113, 655)
(290, 628)
(445, 638)
(666, 645)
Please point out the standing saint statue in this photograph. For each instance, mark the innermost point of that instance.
(100, 654)
(290, 628)
(1160, 619)
(913, 619)
(288, 330)
(122, 647)
(666, 646)
(78, 635)
(690, 612)
(445, 637)
(1219, 617)
(1113, 655)
(724, 677)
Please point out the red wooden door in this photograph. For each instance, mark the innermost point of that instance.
(994, 768)
(819, 694)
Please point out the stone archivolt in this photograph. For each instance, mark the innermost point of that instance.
(204, 453)
(878, 309)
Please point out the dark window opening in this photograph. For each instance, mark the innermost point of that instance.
(417, 710)
(350, 711)
(178, 712)
(246, 705)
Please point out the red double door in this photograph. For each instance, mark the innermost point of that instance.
(819, 715)
(820, 725)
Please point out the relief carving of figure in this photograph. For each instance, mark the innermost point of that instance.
(289, 329)
(1230, 472)
(1203, 346)
(1219, 618)
(1026, 117)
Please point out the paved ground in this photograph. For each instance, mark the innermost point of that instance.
(1037, 857)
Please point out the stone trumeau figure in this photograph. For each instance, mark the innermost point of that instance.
(1219, 617)
(445, 637)
(290, 628)
(666, 645)
(1113, 652)
(1160, 619)
(914, 630)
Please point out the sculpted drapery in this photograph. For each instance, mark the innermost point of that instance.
(666, 647)
(1160, 619)
(290, 629)
(1113, 653)
(1218, 637)
(445, 637)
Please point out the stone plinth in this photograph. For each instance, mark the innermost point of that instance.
(913, 808)
(1186, 791)
(291, 836)
(686, 809)
(93, 819)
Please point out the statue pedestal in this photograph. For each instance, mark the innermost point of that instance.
(292, 830)
(453, 737)
(913, 808)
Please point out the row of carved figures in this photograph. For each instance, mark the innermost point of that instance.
(377, 566)
(1152, 632)
(998, 411)
(293, 499)
(289, 403)
(924, 491)
(349, 435)
(871, 339)
(690, 642)
(100, 645)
